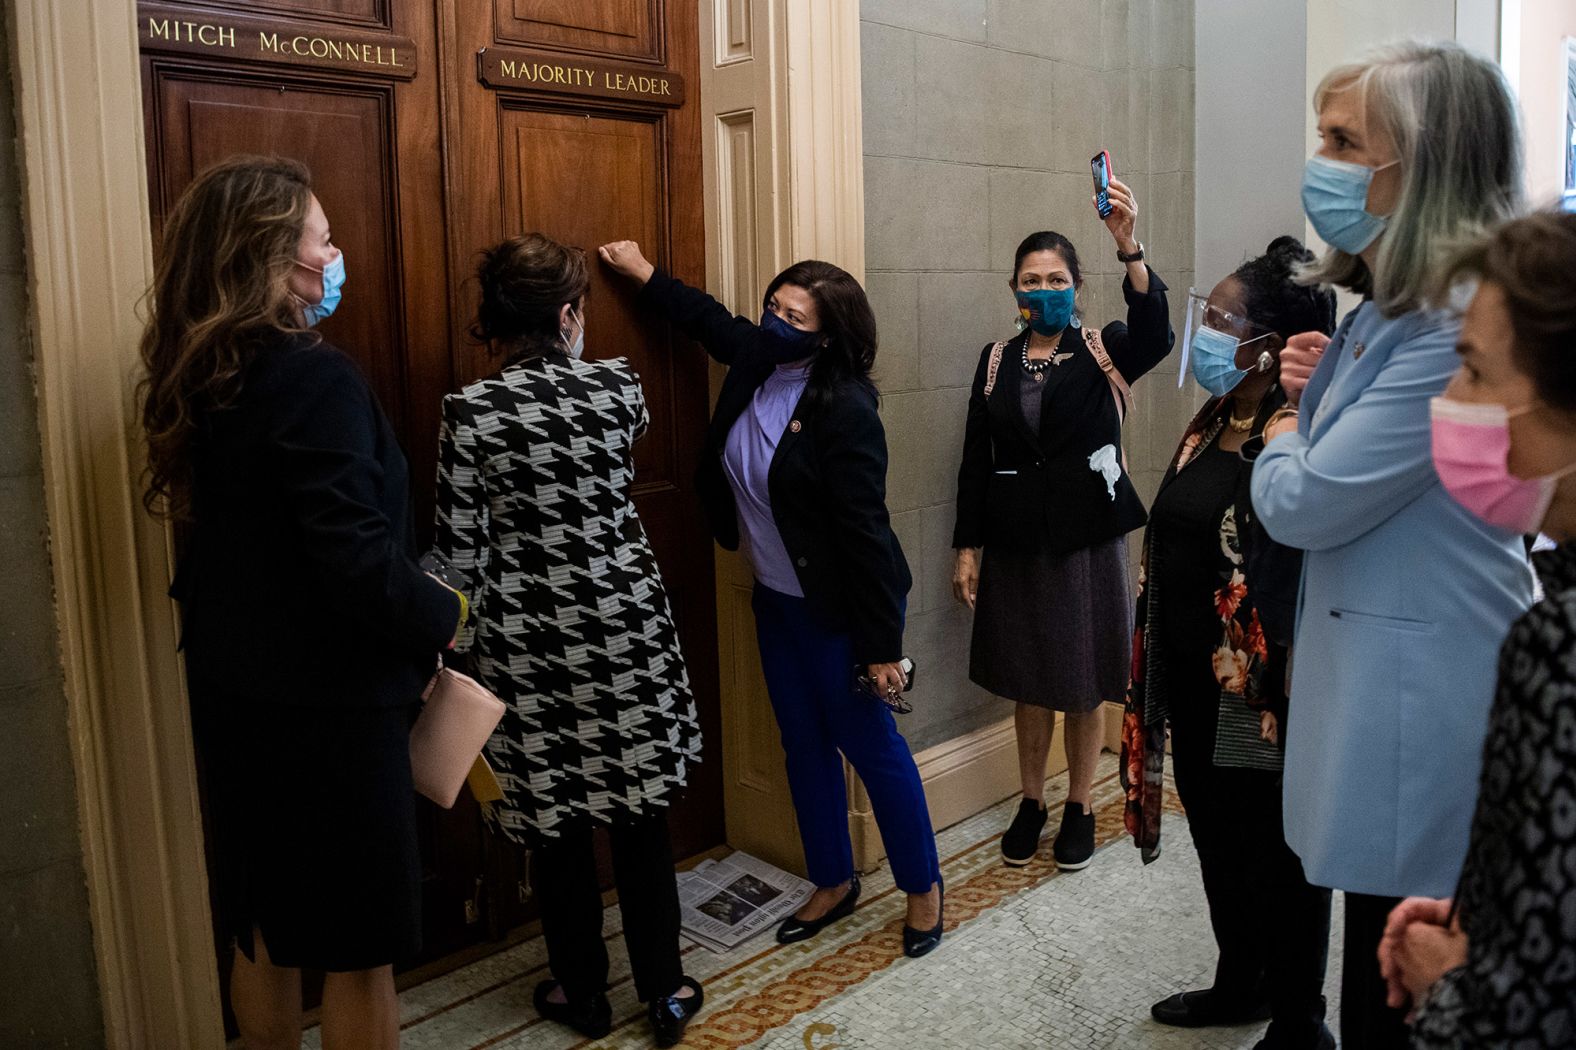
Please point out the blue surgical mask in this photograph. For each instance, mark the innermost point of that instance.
(333, 290)
(783, 342)
(1215, 361)
(1335, 198)
(1214, 355)
(1047, 310)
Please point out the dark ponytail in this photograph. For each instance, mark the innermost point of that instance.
(525, 282)
(1272, 296)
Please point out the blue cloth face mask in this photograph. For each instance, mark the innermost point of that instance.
(1047, 310)
(784, 343)
(333, 290)
(1214, 355)
(1335, 198)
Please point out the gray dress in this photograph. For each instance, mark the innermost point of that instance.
(1053, 630)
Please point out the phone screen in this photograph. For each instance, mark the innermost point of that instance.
(1100, 165)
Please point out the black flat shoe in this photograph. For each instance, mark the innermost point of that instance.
(796, 929)
(923, 942)
(1206, 1009)
(592, 1017)
(671, 1014)
(1073, 847)
(1021, 840)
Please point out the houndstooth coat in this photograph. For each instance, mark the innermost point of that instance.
(571, 624)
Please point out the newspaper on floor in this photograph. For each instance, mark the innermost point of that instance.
(726, 902)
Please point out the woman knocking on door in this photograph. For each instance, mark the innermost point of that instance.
(308, 628)
(794, 472)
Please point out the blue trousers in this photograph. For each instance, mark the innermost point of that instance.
(809, 676)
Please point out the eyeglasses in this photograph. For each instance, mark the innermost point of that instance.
(1222, 320)
(1201, 313)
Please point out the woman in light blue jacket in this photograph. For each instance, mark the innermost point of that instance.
(1406, 597)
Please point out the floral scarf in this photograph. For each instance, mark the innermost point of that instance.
(1241, 659)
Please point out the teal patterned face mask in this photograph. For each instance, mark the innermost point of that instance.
(1047, 310)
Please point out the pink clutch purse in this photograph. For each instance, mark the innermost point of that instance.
(459, 716)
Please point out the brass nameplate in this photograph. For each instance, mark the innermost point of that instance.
(576, 75)
(161, 27)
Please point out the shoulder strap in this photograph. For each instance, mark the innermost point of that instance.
(993, 367)
(1119, 388)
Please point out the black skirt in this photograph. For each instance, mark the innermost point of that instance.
(1054, 630)
(312, 822)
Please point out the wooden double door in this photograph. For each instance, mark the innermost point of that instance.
(433, 129)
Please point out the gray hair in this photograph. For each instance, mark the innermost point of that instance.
(1453, 121)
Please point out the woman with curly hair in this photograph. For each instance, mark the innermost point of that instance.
(308, 627)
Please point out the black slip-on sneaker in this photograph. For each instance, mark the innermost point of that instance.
(1021, 840)
(1074, 845)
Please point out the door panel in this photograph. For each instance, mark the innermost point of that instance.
(608, 167)
(343, 12)
(585, 173)
(609, 27)
(343, 136)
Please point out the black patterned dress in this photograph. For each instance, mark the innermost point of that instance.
(572, 627)
(1517, 896)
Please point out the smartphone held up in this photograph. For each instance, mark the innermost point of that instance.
(1100, 166)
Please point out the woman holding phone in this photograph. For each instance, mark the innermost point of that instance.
(1044, 507)
(794, 473)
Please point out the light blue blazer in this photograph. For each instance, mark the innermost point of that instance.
(1405, 600)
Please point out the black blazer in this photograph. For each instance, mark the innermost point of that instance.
(827, 481)
(1032, 491)
(297, 582)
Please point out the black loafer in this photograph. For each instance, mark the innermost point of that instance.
(923, 942)
(1205, 1009)
(795, 929)
(671, 1014)
(592, 1017)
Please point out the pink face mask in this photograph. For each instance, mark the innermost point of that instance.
(1471, 444)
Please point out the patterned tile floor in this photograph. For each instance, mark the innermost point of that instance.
(1032, 958)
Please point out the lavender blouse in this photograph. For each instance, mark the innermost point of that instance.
(747, 459)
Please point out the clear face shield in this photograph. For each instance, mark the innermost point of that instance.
(1228, 339)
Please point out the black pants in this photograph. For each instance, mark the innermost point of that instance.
(1272, 928)
(1367, 1022)
(563, 872)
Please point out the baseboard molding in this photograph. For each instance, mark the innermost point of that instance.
(968, 774)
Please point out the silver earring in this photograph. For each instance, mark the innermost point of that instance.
(1019, 323)
(1266, 361)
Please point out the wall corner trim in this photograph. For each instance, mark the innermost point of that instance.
(86, 221)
